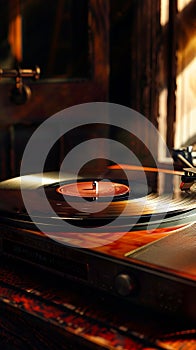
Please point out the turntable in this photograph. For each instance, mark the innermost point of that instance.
(127, 237)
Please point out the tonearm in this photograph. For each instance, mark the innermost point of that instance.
(188, 178)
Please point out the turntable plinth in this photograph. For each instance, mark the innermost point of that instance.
(47, 312)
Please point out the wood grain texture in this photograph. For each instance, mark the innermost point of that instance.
(44, 312)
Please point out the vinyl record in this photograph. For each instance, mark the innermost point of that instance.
(160, 203)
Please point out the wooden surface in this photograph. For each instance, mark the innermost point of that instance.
(47, 312)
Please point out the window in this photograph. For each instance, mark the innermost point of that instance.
(177, 101)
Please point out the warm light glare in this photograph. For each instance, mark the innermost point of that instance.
(164, 12)
(186, 105)
(162, 123)
(185, 125)
(15, 37)
(182, 4)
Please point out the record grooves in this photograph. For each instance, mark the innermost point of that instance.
(138, 209)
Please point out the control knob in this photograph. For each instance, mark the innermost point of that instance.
(124, 284)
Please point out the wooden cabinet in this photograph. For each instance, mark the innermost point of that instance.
(56, 89)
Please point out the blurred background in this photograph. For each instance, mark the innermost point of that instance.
(141, 54)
